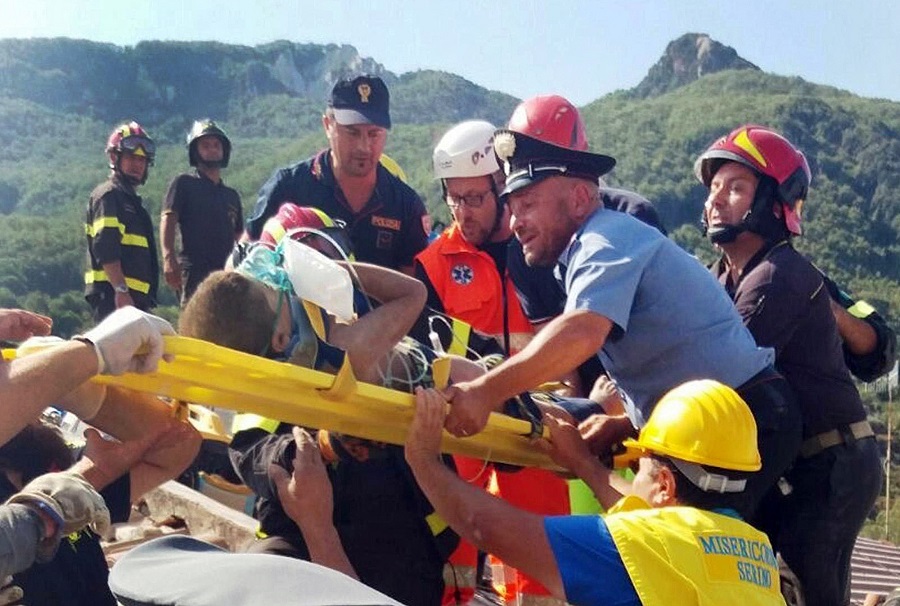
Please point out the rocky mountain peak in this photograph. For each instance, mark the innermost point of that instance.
(686, 59)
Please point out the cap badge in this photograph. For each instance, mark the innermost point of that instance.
(364, 91)
(505, 145)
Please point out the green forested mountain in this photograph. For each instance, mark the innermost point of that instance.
(59, 98)
(260, 91)
(852, 218)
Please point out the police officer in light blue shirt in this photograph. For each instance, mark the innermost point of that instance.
(646, 307)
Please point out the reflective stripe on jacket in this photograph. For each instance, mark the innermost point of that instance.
(118, 229)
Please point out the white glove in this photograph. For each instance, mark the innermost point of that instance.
(35, 345)
(128, 340)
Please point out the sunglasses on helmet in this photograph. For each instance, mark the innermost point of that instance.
(135, 144)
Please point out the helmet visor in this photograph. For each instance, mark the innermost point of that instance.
(140, 146)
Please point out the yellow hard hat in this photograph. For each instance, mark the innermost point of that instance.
(702, 422)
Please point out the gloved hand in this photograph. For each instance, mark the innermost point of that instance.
(37, 344)
(10, 593)
(72, 503)
(128, 340)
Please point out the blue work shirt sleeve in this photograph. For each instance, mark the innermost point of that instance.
(589, 563)
(603, 277)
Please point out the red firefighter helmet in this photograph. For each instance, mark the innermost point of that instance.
(769, 154)
(552, 119)
(302, 222)
(130, 138)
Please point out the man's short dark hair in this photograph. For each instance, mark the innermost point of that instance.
(34, 451)
(231, 310)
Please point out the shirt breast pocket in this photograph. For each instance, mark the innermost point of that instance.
(464, 294)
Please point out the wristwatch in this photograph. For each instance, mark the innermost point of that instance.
(121, 289)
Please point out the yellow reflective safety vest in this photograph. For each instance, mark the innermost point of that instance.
(690, 556)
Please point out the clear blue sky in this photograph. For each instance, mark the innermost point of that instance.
(582, 49)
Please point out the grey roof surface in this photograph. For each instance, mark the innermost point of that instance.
(875, 568)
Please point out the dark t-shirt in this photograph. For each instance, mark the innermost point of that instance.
(77, 575)
(783, 301)
(209, 218)
(380, 514)
(388, 231)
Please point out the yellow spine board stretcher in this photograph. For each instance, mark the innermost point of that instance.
(217, 376)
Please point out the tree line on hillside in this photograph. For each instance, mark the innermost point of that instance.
(159, 82)
(50, 160)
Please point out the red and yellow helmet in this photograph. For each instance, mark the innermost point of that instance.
(131, 138)
(303, 223)
(768, 154)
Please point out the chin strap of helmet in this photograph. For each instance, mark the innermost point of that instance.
(760, 219)
(500, 207)
(126, 177)
(723, 234)
(209, 165)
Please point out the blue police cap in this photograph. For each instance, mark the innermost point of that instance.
(527, 160)
(361, 100)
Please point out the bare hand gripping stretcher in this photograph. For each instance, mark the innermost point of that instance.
(206, 373)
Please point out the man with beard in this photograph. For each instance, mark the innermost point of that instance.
(465, 268)
(383, 215)
(465, 273)
(651, 313)
(206, 211)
